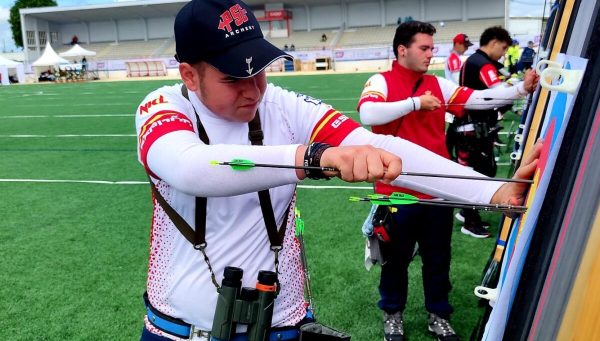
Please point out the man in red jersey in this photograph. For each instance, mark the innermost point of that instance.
(454, 63)
(461, 44)
(410, 104)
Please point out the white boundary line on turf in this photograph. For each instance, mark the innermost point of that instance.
(104, 182)
(69, 116)
(69, 135)
(73, 104)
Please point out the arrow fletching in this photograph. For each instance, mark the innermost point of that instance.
(395, 198)
(299, 223)
(398, 198)
(240, 164)
(382, 202)
(357, 199)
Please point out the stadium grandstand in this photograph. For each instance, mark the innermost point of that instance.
(321, 34)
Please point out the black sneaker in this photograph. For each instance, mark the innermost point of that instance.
(459, 216)
(475, 230)
(497, 141)
(441, 328)
(484, 224)
(393, 328)
(478, 221)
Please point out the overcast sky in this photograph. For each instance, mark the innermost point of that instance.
(6, 41)
(519, 8)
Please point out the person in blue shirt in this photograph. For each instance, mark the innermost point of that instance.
(526, 60)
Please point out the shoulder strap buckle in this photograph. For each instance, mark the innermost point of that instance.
(256, 136)
(200, 246)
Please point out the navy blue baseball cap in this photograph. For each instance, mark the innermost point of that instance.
(225, 34)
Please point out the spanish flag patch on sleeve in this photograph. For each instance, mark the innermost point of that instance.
(458, 100)
(332, 128)
(370, 96)
(160, 124)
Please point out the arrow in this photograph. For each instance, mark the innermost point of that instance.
(300, 237)
(398, 198)
(522, 101)
(477, 104)
(467, 177)
(243, 164)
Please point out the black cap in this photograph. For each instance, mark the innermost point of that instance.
(225, 34)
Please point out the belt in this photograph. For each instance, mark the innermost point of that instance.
(277, 335)
(181, 329)
(465, 128)
(166, 323)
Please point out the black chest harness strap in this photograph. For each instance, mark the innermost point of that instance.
(197, 236)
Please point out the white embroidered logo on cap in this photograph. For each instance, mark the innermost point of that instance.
(248, 61)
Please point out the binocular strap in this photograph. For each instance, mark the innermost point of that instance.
(197, 236)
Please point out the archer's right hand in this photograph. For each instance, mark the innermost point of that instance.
(429, 102)
(362, 163)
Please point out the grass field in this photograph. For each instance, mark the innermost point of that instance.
(75, 247)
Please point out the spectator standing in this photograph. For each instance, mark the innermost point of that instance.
(84, 64)
(461, 44)
(512, 56)
(527, 56)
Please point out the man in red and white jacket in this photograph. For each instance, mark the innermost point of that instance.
(452, 73)
(454, 63)
(410, 104)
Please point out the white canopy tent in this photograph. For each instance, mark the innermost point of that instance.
(77, 51)
(49, 58)
(6, 66)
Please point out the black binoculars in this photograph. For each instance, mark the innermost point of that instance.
(251, 306)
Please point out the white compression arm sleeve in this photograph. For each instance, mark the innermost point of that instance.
(184, 163)
(418, 159)
(495, 97)
(378, 113)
